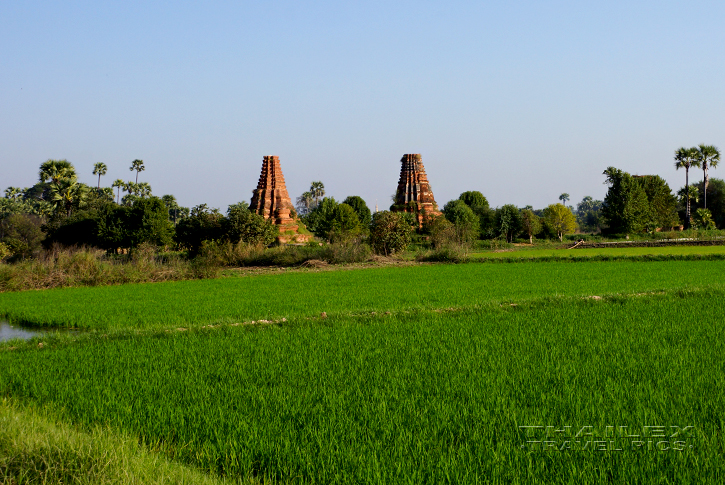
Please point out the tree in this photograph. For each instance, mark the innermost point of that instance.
(55, 170)
(361, 209)
(588, 213)
(475, 200)
(345, 223)
(172, 206)
(22, 234)
(119, 184)
(464, 220)
(686, 158)
(716, 200)
(508, 221)
(138, 166)
(486, 216)
(100, 169)
(530, 223)
(626, 208)
(390, 232)
(702, 219)
(203, 224)
(243, 225)
(317, 189)
(662, 203)
(708, 157)
(67, 194)
(564, 198)
(13, 193)
(560, 218)
(319, 220)
(304, 203)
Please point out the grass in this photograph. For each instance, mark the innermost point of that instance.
(534, 252)
(300, 294)
(37, 449)
(418, 397)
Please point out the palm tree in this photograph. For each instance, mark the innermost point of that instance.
(304, 202)
(708, 156)
(119, 184)
(686, 158)
(13, 193)
(172, 206)
(317, 189)
(66, 193)
(143, 189)
(55, 170)
(564, 197)
(100, 169)
(138, 166)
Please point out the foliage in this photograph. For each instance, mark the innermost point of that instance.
(702, 219)
(686, 158)
(242, 225)
(319, 220)
(626, 208)
(588, 213)
(344, 224)
(715, 199)
(21, 234)
(530, 224)
(508, 222)
(137, 166)
(361, 208)
(564, 198)
(662, 203)
(560, 219)
(465, 222)
(390, 232)
(305, 203)
(203, 224)
(707, 157)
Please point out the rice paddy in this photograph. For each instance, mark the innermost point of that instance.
(588, 372)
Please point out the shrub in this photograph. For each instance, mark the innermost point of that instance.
(389, 233)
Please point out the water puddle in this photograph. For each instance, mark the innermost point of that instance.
(9, 332)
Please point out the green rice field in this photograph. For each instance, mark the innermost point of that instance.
(549, 372)
(300, 294)
(614, 252)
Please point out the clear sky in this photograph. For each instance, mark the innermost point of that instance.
(521, 100)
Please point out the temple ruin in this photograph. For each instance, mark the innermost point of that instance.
(414, 194)
(271, 200)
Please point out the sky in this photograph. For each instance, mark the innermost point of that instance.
(521, 100)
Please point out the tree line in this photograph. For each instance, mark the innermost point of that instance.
(58, 209)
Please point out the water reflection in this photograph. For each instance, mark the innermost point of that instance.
(8, 332)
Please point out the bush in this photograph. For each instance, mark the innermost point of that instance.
(389, 233)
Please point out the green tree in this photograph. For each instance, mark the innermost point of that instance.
(626, 208)
(588, 213)
(390, 232)
(686, 158)
(243, 225)
(560, 218)
(508, 221)
(67, 194)
(702, 219)
(361, 209)
(22, 234)
(530, 223)
(465, 222)
(100, 169)
(486, 216)
(345, 223)
(564, 198)
(55, 170)
(319, 220)
(203, 224)
(317, 189)
(716, 200)
(663, 204)
(708, 157)
(138, 166)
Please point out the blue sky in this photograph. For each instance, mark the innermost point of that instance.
(522, 100)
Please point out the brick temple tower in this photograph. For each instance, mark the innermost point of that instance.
(414, 194)
(271, 200)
